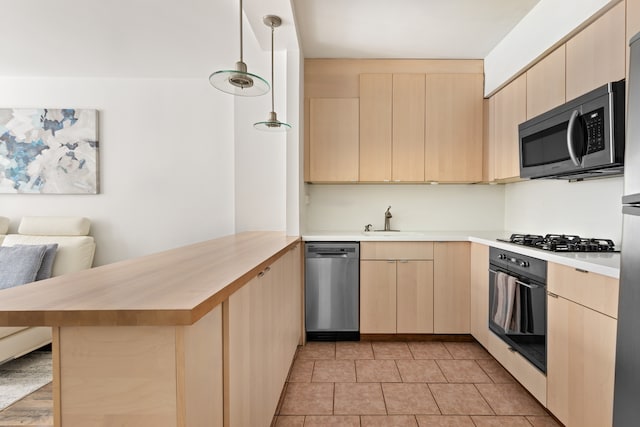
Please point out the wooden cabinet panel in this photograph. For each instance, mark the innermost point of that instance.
(596, 55)
(592, 290)
(414, 297)
(453, 140)
(580, 364)
(396, 250)
(510, 110)
(489, 134)
(408, 127)
(375, 127)
(378, 297)
(479, 293)
(451, 262)
(333, 139)
(546, 83)
(261, 340)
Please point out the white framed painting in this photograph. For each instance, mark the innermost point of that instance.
(48, 151)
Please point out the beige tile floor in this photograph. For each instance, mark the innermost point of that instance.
(401, 384)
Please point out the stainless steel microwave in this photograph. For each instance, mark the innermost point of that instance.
(583, 138)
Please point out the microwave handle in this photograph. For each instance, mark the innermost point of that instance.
(572, 153)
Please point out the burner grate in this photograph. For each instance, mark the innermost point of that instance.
(563, 243)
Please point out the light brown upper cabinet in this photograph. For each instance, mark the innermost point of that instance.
(392, 127)
(408, 127)
(453, 141)
(510, 107)
(376, 92)
(596, 55)
(546, 83)
(333, 139)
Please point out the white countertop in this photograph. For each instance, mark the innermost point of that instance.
(607, 263)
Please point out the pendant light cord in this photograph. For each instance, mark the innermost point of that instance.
(273, 83)
(241, 59)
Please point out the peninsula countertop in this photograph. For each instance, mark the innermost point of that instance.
(173, 287)
(605, 263)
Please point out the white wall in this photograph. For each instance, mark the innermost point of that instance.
(260, 157)
(588, 208)
(547, 23)
(414, 207)
(166, 136)
(165, 160)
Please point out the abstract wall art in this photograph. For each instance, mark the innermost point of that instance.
(48, 151)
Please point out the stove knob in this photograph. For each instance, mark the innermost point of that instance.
(522, 263)
(502, 256)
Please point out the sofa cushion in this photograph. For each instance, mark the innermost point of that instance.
(54, 226)
(4, 225)
(19, 264)
(74, 252)
(46, 268)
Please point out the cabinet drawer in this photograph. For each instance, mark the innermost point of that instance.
(592, 290)
(396, 250)
(523, 371)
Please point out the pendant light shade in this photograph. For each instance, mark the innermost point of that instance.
(238, 81)
(272, 124)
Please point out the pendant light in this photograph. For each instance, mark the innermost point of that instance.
(239, 81)
(272, 124)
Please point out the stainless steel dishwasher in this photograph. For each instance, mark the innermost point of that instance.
(332, 291)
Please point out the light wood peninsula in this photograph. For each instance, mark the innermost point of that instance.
(165, 339)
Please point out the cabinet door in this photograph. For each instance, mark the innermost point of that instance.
(333, 139)
(581, 346)
(451, 288)
(415, 297)
(408, 127)
(596, 55)
(378, 297)
(479, 292)
(375, 127)
(510, 110)
(453, 141)
(546, 83)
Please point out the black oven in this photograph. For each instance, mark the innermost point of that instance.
(518, 303)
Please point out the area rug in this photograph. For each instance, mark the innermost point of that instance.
(23, 376)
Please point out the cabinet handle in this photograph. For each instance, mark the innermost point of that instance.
(581, 270)
(390, 261)
(261, 274)
(266, 270)
(552, 295)
(512, 350)
(404, 261)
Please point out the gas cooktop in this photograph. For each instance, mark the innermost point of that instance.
(562, 243)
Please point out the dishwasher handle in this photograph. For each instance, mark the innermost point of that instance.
(331, 255)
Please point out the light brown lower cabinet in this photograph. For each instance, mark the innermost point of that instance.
(396, 287)
(479, 292)
(451, 279)
(581, 346)
(396, 297)
(262, 331)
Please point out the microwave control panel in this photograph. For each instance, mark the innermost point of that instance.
(594, 125)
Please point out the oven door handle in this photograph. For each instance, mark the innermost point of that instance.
(526, 285)
(577, 161)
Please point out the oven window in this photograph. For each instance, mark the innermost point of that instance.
(545, 147)
(518, 315)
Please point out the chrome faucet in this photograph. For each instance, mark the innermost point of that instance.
(387, 217)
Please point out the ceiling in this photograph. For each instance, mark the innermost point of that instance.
(467, 29)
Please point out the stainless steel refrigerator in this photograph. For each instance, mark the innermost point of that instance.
(626, 404)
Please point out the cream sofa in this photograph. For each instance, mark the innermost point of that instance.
(75, 252)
